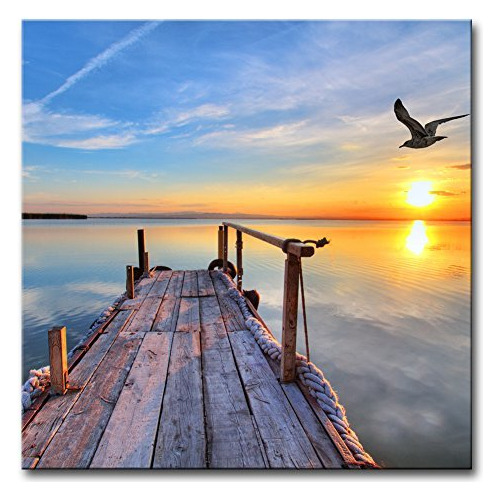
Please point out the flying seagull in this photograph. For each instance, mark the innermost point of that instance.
(421, 137)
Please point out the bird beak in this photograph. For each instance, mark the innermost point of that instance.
(401, 145)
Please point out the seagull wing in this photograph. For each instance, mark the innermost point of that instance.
(431, 127)
(416, 129)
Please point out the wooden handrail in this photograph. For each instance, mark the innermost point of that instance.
(295, 248)
(294, 252)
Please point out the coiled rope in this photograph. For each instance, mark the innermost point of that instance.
(308, 373)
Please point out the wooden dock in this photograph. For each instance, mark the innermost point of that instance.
(175, 380)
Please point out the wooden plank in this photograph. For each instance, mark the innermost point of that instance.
(74, 444)
(29, 462)
(145, 316)
(326, 450)
(168, 312)
(45, 424)
(160, 285)
(189, 315)
(231, 314)
(190, 285)
(129, 438)
(175, 284)
(285, 441)
(144, 285)
(205, 285)
(181, 441)
(231, 438)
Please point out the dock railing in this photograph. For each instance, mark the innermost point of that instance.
(294, 250)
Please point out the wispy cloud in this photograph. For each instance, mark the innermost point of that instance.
(114, 141)
(465, 166)
(102, 59)
(443, 193)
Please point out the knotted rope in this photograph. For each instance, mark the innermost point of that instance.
(308, 373)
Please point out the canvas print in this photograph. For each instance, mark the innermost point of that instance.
(246, 245)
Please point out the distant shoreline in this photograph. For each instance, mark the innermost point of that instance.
(53, 216)
(224, 217)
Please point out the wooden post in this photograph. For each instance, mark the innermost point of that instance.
(58, 360)
(220, 241)
(141, 245)
(239, 260)
(146, 264)
(130, 282)
(289, 328)
(224, 250)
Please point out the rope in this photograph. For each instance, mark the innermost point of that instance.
(306, 335)
(308, 374)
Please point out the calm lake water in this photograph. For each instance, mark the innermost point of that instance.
(388, 309)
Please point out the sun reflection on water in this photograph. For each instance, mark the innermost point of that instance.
(417, 239)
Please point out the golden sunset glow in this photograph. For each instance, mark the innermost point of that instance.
(417, 239)
(419, 194)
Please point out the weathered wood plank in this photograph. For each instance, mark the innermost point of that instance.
(175, 284)
(29, 462)
(160, 285)
(326, 450)
(168, 312)
(145, 316)
(181, 441)
(76, 440)
(205, 285)
(46, 422)
(286, 443)
(129, 438)
(233, 319)
(231, 437)
(144, 285)
(189, 315)
(190, 285)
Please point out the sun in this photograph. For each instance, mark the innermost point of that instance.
(419, 194)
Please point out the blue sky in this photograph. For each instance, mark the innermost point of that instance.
(285, 117)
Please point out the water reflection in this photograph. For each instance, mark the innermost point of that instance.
(417, 239)
(389, 330)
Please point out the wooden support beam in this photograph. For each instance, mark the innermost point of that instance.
(141, 246)
(58, 360)
(130, 282)
(220, 241)
(224, 249)
(239, 260)
(289, 328)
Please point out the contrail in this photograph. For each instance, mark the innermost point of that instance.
(102, 59)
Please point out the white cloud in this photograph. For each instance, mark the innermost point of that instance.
(114, 141)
